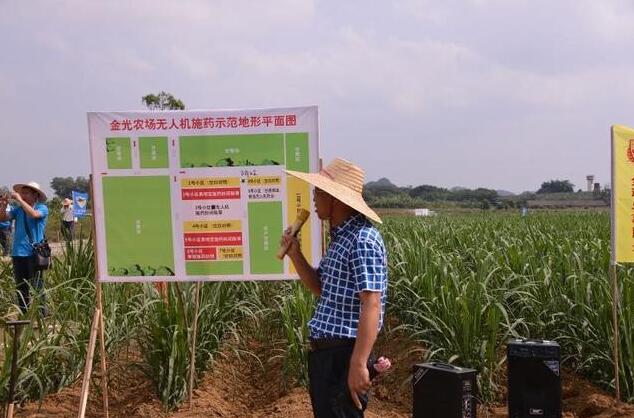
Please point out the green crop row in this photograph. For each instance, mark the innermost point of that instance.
(464, 285)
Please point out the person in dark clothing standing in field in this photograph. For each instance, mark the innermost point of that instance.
(68, 220)
(30, 217)
(5, 237)
(351, 283)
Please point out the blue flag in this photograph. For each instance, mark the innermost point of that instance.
(80, 202)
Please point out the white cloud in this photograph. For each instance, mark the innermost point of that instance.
(52, 41)
(192, 63)
(411, 76)
(424, 10)
(610, 20)
(216, 14)
(533, 67)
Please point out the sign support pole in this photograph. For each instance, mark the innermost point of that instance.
(97, 326)
(613, 263)
(192, 361)
(90, 353)
(615, 327)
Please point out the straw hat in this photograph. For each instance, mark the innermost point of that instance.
(33, 186)
(342, 180)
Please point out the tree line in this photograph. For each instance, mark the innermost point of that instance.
(384, 194)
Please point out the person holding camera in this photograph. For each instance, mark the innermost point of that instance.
(30, 215)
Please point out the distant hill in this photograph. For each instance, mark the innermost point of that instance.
(385, 184)
(380, 183)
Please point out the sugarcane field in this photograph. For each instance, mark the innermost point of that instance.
(301, 208)
(461, 286)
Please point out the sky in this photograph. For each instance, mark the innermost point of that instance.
(503, 94)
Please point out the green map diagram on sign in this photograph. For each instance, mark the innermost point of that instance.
(231, 150)
(119, 152)
(138, 221)
(218, 249)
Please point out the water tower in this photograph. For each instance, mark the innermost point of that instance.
(590, 179)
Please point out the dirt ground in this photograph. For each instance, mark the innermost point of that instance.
(243, 386)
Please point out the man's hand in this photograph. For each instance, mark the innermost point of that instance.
(16, 196)
(359, 375)
(306, 272)
(291, 241)
(358, 381)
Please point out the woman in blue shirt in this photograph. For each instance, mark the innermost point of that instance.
(30, 215)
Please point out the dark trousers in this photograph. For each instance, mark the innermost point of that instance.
(328, 379)
(68, 230)
(5, 241)
(27, 275)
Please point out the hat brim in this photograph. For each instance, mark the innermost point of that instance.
(18, 187)
(338, 191)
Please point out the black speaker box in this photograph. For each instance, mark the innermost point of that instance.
(444, 391)
(534, 379)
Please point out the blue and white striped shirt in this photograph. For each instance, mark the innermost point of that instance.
(356, 261)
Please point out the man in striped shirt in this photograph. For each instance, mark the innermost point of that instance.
(351, 284)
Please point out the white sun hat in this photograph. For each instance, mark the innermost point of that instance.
(31, 185)
(344, 181)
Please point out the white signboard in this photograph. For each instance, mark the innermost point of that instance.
(201, 195)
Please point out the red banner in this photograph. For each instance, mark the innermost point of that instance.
(211, 194)
(195, 254)
(213, 239)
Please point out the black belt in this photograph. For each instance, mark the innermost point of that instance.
(328, 343)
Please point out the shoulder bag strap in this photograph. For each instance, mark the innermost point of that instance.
(26, 227)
